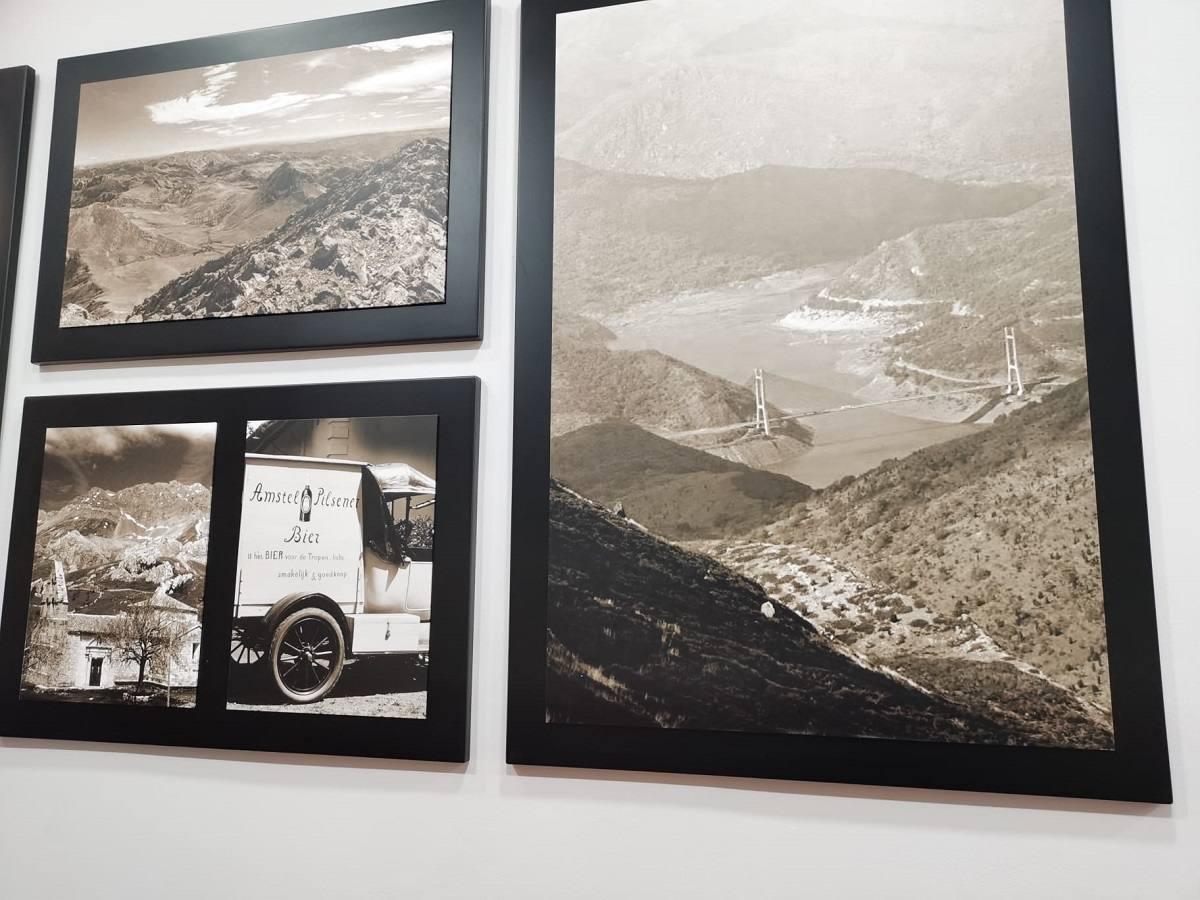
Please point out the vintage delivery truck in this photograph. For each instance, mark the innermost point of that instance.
(335, 564)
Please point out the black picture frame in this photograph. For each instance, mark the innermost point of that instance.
(459, 318)
(16, 111)
(1136, 770)
(443, 735)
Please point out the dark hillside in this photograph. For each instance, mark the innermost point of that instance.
(640, 631)
(592, 383)
(78, 286)
(673, 490)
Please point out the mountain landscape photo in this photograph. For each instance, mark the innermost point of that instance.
(119, 565)
(309, 182)
(820, 429)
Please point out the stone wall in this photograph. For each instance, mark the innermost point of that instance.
(67, 645)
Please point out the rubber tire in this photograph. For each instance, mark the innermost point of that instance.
(309, 612)
(259, 647)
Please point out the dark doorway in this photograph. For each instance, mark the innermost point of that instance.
(94, 675)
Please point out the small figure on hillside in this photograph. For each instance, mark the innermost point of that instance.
(768, 609)
(619, 510)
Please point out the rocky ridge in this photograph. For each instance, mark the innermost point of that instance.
(144, 539)
(375, 238)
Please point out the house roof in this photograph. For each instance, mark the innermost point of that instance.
(85, 624)
(167, 603)
(113, 602)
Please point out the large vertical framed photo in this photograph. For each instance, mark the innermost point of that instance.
(16, 109)
(827, 460)
(319, 184)
(274, 569)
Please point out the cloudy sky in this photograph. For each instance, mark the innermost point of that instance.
(390, 85)
(114, 457)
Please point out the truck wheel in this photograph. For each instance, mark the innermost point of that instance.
(245, 648)
(307, 654)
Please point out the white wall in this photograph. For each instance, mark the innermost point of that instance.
(102, 821)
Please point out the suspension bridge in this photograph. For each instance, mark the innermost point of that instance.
(1013, 386)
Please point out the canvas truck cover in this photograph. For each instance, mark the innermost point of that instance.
(401, 479)
(301, 532)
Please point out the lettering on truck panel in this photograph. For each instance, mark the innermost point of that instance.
(301, 531)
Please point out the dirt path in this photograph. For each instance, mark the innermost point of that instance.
(395, 706)
(380, 687)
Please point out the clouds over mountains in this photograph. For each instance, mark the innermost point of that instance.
(401, 83)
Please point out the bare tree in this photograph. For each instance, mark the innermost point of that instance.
(145, 635)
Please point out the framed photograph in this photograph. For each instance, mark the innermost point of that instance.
(813, 479)
(268, 568)
(311, 185)
(16, 108)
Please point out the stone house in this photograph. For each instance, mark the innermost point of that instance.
(78, 650)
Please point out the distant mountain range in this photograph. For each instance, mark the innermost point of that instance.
(706, 88)
(77, 470)
(196, 180)
(703, 233)
(121, 546)
(139, 225)
(941, 268)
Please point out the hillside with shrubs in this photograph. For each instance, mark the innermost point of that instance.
(999, 526)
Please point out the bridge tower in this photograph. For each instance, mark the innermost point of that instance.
(1015, 385)
(762, 422)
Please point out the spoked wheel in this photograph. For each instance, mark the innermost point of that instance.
(307, 655)
(246, 647)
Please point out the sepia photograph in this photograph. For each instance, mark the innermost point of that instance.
(335, 567)
(308, 549)
(120, 556)
(821, 450)
(304, 182)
